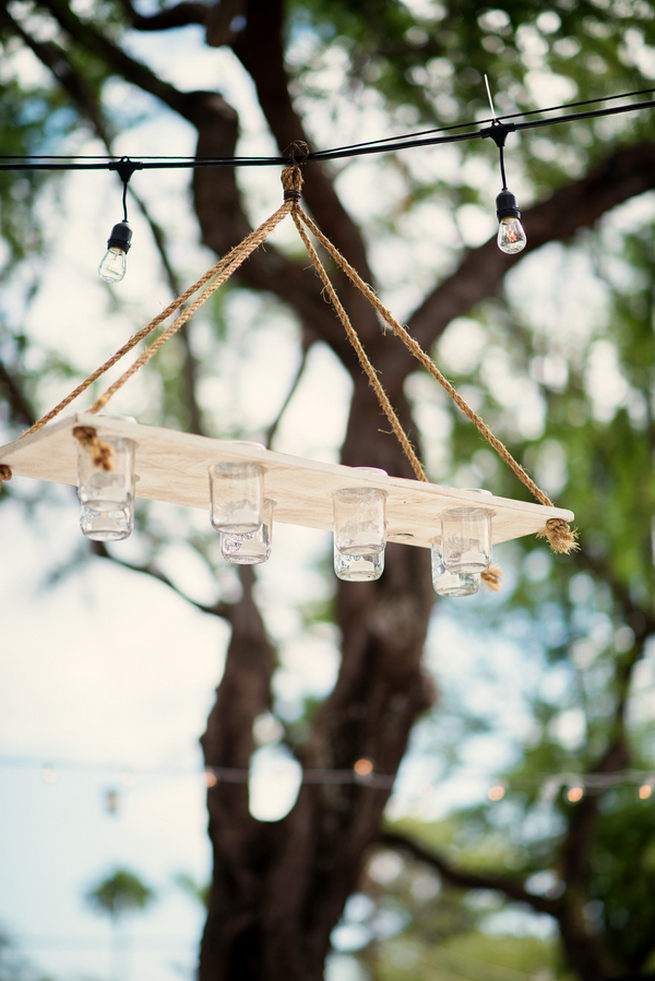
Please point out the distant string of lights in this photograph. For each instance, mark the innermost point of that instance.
(574, 786)
(511, 237)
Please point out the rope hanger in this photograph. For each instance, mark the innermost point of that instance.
(561, 537)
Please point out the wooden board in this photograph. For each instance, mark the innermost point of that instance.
(173, 466)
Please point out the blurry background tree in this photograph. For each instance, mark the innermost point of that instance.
(13, 965)
(555, 347)
(118, 896)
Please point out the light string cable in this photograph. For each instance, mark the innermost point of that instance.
(431, 137)
(362, 771)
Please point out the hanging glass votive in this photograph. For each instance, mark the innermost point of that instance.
(466, 539)
(252, 547)
(359, 533)
(107, 496)
(237, 497)
(446, 582)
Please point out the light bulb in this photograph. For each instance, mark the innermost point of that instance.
(511, 236)
(113, 264)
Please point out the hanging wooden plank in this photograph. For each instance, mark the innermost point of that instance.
(173, 466)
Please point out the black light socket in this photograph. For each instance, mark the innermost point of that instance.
(120, 237)
(507, 206)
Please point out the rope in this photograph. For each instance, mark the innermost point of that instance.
(491, 578)
(562, 539)
(374, 381)
(5, 473)
(101, 453)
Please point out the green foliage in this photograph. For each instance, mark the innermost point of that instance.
(422, 927)
(120, 893)
(473, 955)
(417, 60)
(198, 891)
(623, 893)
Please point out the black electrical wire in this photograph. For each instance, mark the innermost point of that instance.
(514, 115)
(497, 127)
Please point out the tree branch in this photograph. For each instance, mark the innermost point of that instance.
(218, 609)
(273, 428)
(117, 61)
(21, 408)
(260, 49)
(622, 175)
(179, 15)
(190, 365)
(223, 223)
(585, 950)
(54, 58)
(640, 620)
(510, 888)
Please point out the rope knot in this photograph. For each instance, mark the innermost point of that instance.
(297, 152)
(491, 578)
(101, 453)
(561, 537)
(5, 472)
(292, 182)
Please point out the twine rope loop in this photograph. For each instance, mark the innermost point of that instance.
(561, 537)
(101, 453)
(491, 578)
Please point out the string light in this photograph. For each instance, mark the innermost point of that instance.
(111, 800)
(363, 769)
(511, 236)
(113, 264)
(497, 792)
(210, 778)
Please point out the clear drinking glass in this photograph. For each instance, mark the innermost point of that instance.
(107, 496)
(252, 547)
(448, 583)
(362, 567)
(466, 539)
(237, 497)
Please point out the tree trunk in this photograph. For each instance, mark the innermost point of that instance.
(280, 888)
